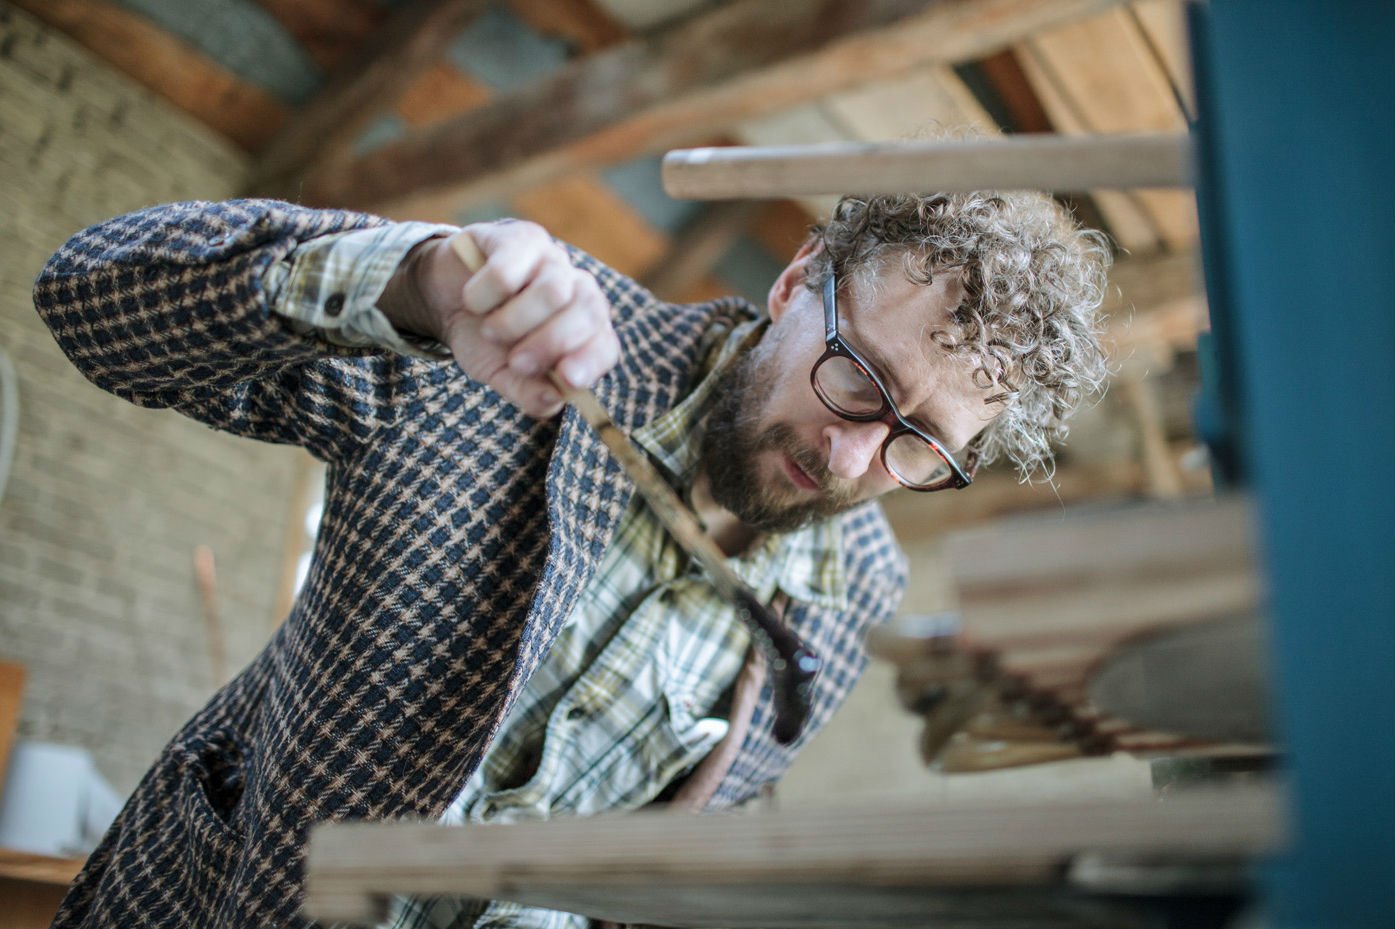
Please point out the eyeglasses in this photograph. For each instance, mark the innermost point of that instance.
(849, 386)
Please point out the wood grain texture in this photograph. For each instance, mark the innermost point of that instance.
(890, 863)
(1101, 75)
(702, 76)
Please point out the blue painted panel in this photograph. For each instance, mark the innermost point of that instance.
(242, 37)
(502, 51)
(1298, 141)
(380, 132)
(639, 183)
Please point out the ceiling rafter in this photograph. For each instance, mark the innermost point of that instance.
(241, 112)
(330, 31)
(411, 41)
(704, 75)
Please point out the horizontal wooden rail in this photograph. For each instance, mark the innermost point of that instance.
(762, 869)
(1026, 162)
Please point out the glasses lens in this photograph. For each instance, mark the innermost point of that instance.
(913, 461)
(846, 387)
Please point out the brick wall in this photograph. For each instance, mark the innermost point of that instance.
(106, 501)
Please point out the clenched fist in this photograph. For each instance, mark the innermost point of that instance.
(525, 312)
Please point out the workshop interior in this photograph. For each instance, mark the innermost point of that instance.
(1152, 687)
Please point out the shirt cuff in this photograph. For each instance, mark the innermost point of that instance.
(329, 287)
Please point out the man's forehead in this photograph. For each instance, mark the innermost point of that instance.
(893, 322)
(897, 313)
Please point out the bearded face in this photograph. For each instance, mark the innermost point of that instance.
(740, 442)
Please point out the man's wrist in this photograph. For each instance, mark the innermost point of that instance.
(404, 301)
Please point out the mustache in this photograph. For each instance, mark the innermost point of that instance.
(782, 438)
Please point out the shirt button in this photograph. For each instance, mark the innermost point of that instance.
(575, 713)
(334, 305)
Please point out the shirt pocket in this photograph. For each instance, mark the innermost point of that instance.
(629, 771)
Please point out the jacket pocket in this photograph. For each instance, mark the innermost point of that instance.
(209, 795)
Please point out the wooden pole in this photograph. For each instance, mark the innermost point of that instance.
(878, 864)
(1033, 162)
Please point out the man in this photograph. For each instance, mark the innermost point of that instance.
(484, 579)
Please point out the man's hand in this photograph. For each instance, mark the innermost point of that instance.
(524, 313)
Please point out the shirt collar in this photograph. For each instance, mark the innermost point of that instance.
(807, 563)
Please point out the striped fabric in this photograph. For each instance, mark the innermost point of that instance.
(458, 536)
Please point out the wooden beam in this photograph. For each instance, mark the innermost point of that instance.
(909, 862)
(329, 30)
(129, 43)
(585, 212)
(410, 43)
(1102, 76)
(704, 75)
(1048, 162)
(438, 93)
(697, 248)
(587, 24)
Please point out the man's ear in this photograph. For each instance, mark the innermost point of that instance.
(783, 291)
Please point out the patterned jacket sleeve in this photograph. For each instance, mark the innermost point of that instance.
(166, 308)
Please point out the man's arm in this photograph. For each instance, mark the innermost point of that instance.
(171, 307)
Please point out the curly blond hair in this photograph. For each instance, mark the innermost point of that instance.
(1034, 281)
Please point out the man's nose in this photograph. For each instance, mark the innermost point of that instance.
(853, 447)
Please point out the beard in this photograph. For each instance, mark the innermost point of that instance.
(733, 442)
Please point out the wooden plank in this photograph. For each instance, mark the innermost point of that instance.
(924, 104)
(697, 248)
(329, 30)
(588, 214)
(242, 112)
(763, 868)
(1165, 29)
(997, 493)
(38, 869)
(1162, 468)
(688, 81)
(440, 92)
(416, 36)
(1034, 581)
(1106, 67)
(1051, 162)
(1131, 226)
(584, 23)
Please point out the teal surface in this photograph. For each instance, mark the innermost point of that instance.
(1298, 220)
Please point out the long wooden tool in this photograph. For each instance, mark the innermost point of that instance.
(1024, 162)
(792, 665)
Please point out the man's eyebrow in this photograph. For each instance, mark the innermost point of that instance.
(892, 381)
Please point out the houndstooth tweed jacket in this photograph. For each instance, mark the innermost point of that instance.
(457, 535)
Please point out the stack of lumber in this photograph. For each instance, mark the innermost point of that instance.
(1054, 607)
